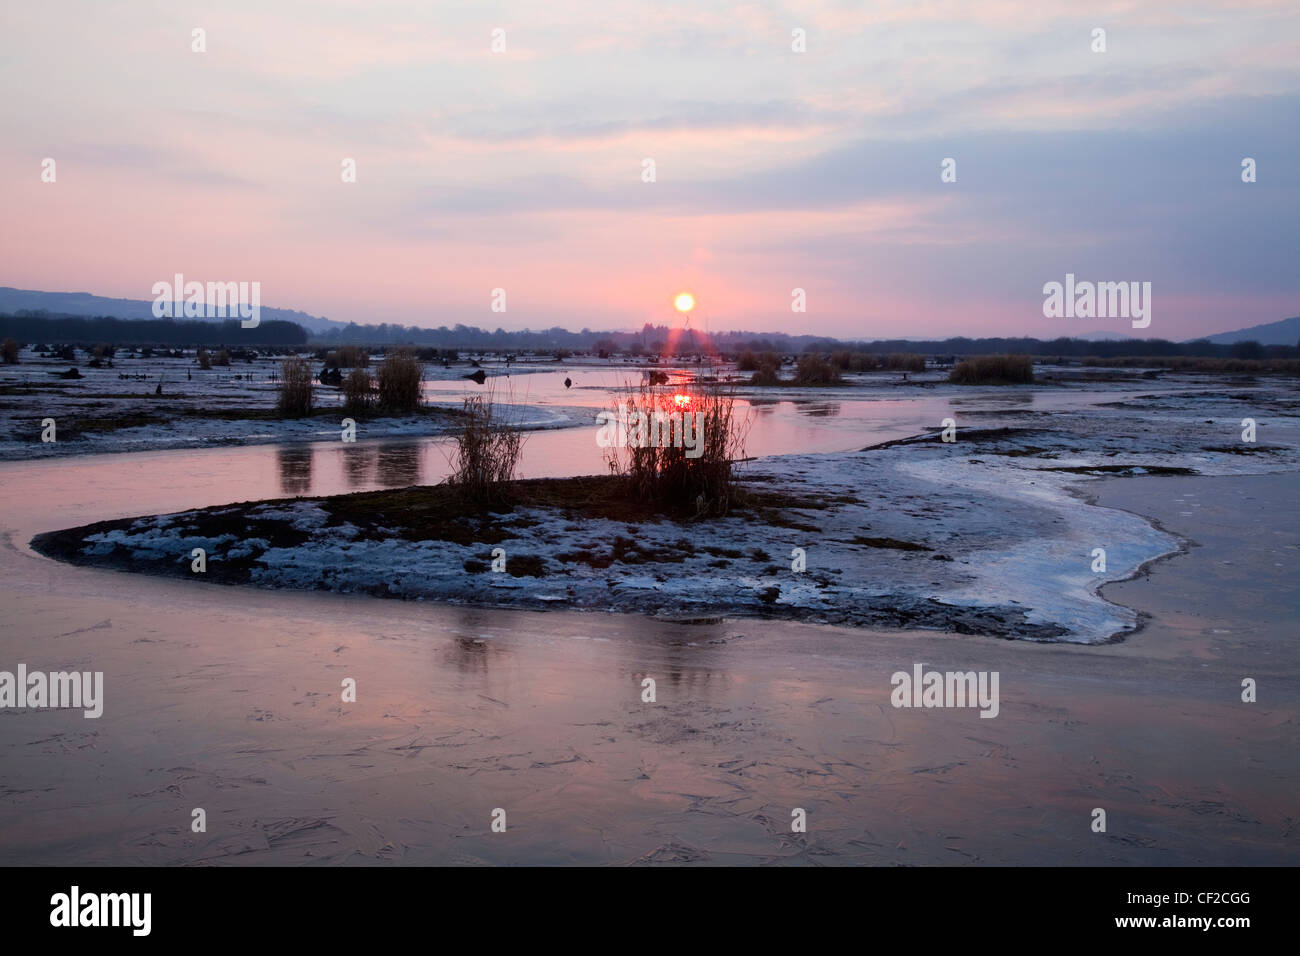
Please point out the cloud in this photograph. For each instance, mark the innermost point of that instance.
(523, 169)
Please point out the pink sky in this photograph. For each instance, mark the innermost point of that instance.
(774, 169)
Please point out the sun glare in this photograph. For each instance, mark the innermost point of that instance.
(685, 302)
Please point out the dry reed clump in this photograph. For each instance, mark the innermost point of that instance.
(814, 369)
(10, 351)
(851, 361)
(765, 366)
(347, 356)
(398, 384)
(295, 388)
(993, 370)
(751, 361)
(205, 358)
(358, 390)
(486, 454)
(905, 362)
(675, 446)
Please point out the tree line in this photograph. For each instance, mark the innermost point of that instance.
(650, 340)
(34, 327)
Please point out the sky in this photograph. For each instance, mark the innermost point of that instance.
(523, 168)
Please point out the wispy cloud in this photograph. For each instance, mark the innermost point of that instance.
(773, 168)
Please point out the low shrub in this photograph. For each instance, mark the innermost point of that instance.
(486, 454)
(347, 356)
(398, 383)
(295, 388)
(993, 370)
(905, 362)
(358, 390)
(676, 445)
(850, 361)
(814, 369)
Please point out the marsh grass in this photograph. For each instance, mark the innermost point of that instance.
(993, 370)
(485, 455)
(660, 473)
(905, 362)
(398, 382)
(346, 356)
(814, 369)
(766, 368)
(358, 390)
(295, 388)
(847, 360)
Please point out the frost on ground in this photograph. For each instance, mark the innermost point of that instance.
(164, 403)
(885, 541)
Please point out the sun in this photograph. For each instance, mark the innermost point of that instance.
(684, 302)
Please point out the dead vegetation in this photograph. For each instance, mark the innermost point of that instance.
(674, 446)
(486, 454)
(398, 382)
(993, 370)
(295, 388)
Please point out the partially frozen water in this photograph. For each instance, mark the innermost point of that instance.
(228, 698)
(74, 490)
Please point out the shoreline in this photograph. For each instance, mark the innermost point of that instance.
(194, 433)
(927, 568)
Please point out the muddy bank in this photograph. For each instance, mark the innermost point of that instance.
(875, 539)
(570, 542)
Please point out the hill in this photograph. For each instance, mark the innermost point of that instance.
(1283, 332)
(83, 303)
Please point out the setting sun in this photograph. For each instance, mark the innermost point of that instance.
(685, 302)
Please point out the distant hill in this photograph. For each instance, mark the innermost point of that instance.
(83, 303)
(1284, 332)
